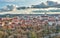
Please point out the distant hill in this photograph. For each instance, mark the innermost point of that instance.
(47, 5)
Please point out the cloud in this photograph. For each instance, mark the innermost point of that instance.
(56, 1)
(9, 0)
(14, 0)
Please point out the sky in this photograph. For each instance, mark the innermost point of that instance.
(23, 2)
